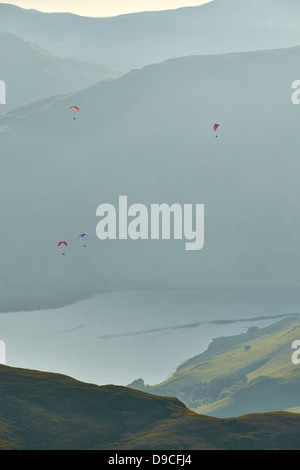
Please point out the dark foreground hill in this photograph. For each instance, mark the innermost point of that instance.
(48, 411)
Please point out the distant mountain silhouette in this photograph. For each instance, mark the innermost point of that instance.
(31, 73)
(139, 39)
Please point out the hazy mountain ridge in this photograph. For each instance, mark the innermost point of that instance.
(35, 73)
(166, 140)
(219, 26)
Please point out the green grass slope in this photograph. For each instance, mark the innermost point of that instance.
(248, 373)
(50, 411)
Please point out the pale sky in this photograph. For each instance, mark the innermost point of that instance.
(103, 8)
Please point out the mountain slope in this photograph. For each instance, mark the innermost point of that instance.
(139, 39)
(43, 411)
(46, 411)
(248, 373)
(149, 135)
(31, 73)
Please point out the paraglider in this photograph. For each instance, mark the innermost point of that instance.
(62, 243)
(216, 127)
(81, 236)
(75, 107)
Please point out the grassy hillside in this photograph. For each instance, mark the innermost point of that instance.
(247, 373)
(48, 411)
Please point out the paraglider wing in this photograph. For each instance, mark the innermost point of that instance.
(83, 235)
(216, 126)
(76, 107)
(62, 243)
